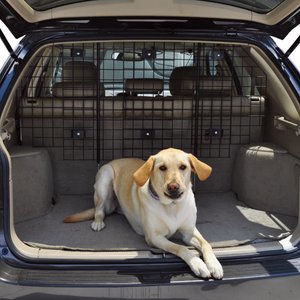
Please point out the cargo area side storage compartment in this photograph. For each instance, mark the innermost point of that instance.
(32, 181)
(80, 105)
(264, 175)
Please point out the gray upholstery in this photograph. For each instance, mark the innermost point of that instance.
(143, 86)
(79, 71)
(71, 107)
(122, 118)
(264, 177)
(79, 79)
(74, 177)
(216, 98)
(78, 89)
(176, 107)
(222, 219)
(32, 182)
(183, 82)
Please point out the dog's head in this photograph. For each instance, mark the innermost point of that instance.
(169, 172)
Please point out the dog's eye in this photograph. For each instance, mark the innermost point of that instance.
(182, 167)
(163, 168)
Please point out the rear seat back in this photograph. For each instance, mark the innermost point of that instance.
(216, 96)
(74, 96)
(140, 118)
(66, 121)
(143, 86)
(79, 79)
(224, 118)
(143, 98)
(149, 122)
(183, 82)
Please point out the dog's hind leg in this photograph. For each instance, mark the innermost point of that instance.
(103, 196)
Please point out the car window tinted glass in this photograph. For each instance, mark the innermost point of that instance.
(214, 62)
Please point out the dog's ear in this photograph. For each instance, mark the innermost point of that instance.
(143, 173)
(202, 170)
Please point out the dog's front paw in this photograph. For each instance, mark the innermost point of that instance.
(199, 267)
(214, 267)
(97, 226)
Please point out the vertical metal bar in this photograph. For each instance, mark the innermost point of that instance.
(101, 122)
(172, 113)
(73, 104)
(98, 106)
(134, 72)
(211, 118)
(230, 118)
(125, 121)
(82, 148)
(152, 114)
(197, 103)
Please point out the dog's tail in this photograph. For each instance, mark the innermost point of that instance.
(82, 216)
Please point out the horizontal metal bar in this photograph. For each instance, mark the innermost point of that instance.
(281, 123)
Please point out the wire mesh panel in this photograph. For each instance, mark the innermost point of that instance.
(101, 101)
(59, 102)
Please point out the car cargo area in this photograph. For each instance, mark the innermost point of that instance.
(222, 218)
(79, 105)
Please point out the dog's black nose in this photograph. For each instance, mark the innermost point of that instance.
(174, 191)
(173, 188)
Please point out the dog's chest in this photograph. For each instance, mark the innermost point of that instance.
(174, 218)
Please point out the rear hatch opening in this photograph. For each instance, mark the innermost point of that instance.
(79, 105)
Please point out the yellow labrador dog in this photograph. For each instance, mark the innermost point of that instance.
(157, 199)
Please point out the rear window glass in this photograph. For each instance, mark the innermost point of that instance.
(115, 63)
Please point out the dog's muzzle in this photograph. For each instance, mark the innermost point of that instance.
(174, 191)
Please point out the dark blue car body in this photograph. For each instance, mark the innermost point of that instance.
(274, 275)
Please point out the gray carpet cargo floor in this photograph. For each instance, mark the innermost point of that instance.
(222, 219)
